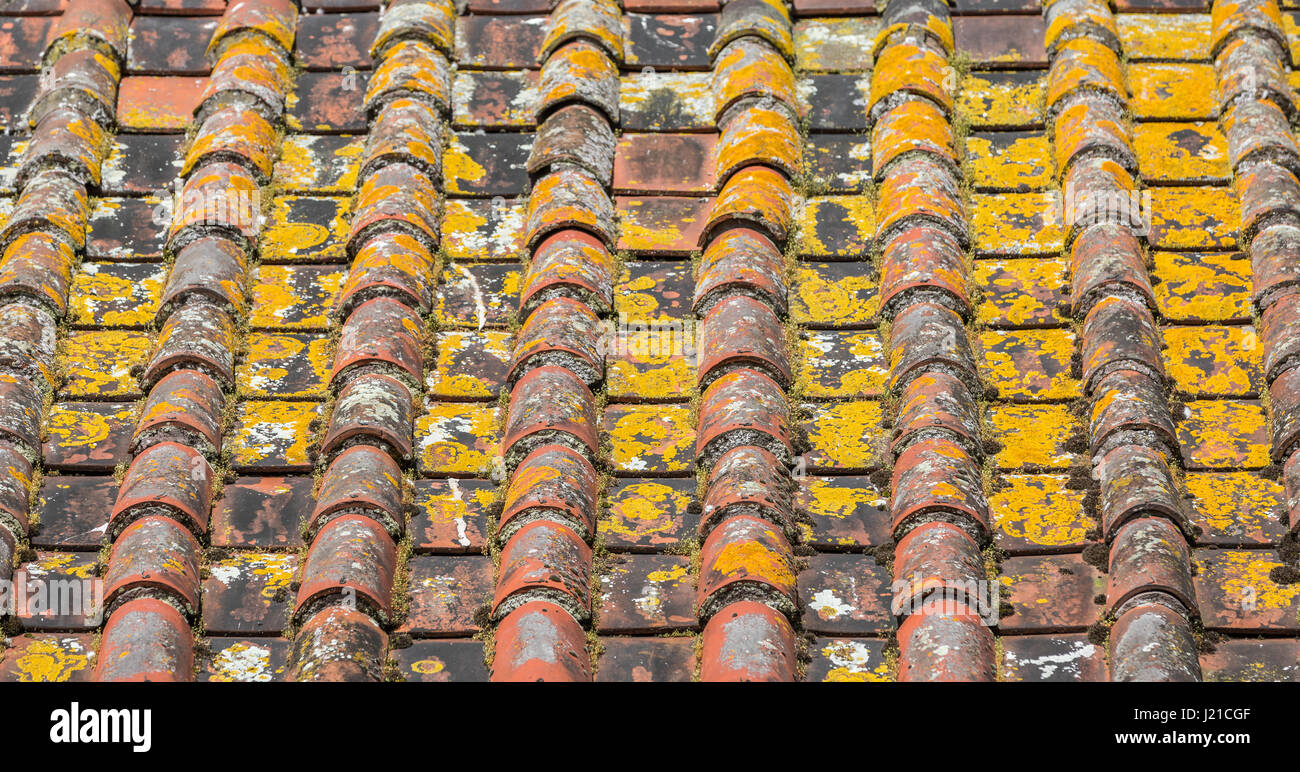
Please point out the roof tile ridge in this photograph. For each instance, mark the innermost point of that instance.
(356, 532)
(938, 506)
(1134, 456)
(159, 523)
(543, 602)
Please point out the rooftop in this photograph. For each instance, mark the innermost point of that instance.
(652, 340)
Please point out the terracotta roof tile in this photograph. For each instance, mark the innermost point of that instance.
(661, 340)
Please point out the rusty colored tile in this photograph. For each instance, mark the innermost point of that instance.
(446, 591)
(306, 229)
(315, 163)
(1029, 364)
(494, 99)
(1003, 40)
(162, 45)
(844, 437)
(441, 661)
(327, 103)
(294, 296)
(834, 44)
(848, 660)
(116, 294)
(1172, 91)
(669, 41)
(1181, 152)
(838, 363)
(49, 658)
(476, 294)
(662, 225)
(261, 512)
(157, 103)
(647, 594)
(666, 101)
(1021, 292)
(1223, 434)
(1033, 435)
(24, 41)
(650, 439)
(1051, 593)
(1266, 659)
(183, 7)
(1236, 593)
(126, 229)
(845, 595)
(1015, 224)
(646, 659)
(500, 42)
(273, 436)
(654, 290)
(248, 592)
(74, 512)
(648, 515)
(1037, 512)
(451, 515)
(839, 294)
(1003, 100)
(664, 163)
(1214, 361)
(487, 164)
(336, 40)
(1165, 36)
(457, 439)
(240, 660)
(88, 436)
(1052, 658)
(1016, 161)
(99, 363)
(284, 365)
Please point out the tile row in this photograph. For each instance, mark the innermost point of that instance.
(543, 593)
(1252, 59)
(346, 600)
(938, 508)
(1132, 440)
(746, 596)
(160, 520)
(70, 121)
